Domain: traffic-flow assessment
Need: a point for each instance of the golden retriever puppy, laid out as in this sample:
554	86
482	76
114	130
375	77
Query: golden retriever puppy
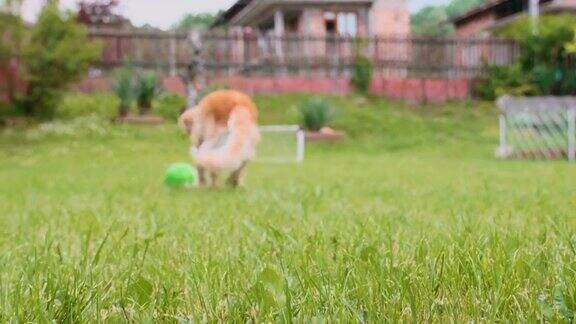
223	129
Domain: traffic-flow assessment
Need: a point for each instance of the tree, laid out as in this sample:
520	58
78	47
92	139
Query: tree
433	20
201	20
57	53
458	7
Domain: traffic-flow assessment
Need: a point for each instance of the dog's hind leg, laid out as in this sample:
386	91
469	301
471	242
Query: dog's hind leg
236	178
214	177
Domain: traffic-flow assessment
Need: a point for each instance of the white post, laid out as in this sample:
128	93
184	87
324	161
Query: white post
173	71
301	145
279	32
572	135
279	23
503	141
534	10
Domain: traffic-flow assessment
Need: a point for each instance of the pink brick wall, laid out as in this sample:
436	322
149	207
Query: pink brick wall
390	17
106	84
475	25
411	89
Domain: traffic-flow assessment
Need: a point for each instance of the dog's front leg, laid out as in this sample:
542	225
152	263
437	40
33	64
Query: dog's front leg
202	177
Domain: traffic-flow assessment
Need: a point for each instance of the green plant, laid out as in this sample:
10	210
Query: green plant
548	45
170	106
200	20
545	65
124	90
57	53
146	90
315	114
497	81
362	74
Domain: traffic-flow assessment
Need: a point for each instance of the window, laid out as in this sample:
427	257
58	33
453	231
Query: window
341	23
347	24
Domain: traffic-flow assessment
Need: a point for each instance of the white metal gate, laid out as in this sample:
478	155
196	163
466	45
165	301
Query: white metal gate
537	128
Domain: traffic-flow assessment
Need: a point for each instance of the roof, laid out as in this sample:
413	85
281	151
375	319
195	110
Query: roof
231	12
545	6
255	7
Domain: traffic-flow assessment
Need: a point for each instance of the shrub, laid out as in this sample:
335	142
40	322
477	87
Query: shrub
315	114
498	81
170	106
146	91
545	66
57	53
362	74
124	90
548	45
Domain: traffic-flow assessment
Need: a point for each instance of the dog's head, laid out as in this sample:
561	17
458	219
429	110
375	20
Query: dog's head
186	121
189	122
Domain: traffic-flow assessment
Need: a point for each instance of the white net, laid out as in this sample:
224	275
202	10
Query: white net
281	144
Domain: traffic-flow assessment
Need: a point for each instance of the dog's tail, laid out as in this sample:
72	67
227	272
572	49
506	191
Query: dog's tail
238	146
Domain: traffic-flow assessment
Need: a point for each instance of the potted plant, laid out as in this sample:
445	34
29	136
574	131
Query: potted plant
145	92
315	115
124	90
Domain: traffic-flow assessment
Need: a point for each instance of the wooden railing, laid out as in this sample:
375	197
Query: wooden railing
258	54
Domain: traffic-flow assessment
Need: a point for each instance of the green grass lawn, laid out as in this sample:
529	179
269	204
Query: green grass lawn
410	219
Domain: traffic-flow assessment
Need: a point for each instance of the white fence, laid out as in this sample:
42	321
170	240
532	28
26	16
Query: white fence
537	128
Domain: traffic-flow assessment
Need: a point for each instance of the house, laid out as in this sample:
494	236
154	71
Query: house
320	18
102	16
480	21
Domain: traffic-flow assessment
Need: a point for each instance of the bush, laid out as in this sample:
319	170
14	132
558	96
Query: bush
170	106
498	81
146	91
315	114
548	45
545	66
124	90
57	53
362	74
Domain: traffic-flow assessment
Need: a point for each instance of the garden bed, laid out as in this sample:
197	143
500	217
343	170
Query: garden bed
325	135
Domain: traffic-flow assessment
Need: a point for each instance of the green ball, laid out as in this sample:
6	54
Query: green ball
181	175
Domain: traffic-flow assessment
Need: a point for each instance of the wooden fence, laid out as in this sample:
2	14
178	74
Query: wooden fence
265	55
153	50
335	56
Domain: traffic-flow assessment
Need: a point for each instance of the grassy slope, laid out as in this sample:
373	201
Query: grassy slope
411	219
